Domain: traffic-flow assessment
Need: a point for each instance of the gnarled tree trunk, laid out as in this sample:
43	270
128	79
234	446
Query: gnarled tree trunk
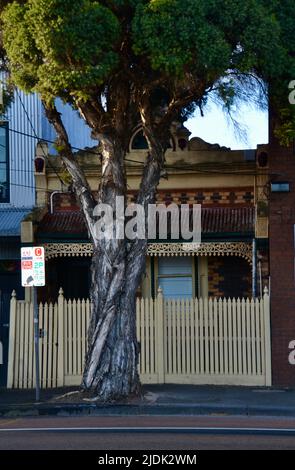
111	368
111	364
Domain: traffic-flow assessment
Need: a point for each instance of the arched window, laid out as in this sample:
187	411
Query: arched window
139	142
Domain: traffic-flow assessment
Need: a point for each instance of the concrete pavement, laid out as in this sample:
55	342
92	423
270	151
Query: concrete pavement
155	400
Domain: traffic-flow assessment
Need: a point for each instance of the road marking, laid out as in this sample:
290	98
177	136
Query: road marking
165	430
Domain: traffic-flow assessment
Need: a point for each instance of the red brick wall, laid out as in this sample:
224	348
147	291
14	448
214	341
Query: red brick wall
282	220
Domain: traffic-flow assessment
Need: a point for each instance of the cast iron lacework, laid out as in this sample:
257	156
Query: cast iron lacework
241	249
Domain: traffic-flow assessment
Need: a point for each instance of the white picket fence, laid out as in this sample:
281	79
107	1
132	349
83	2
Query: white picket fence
201	341
62	343
194	341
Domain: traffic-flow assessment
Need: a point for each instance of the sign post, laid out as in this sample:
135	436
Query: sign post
33	275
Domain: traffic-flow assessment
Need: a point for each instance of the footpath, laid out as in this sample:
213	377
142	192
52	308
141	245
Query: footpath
154	400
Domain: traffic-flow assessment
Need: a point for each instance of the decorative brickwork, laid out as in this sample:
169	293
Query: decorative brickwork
210	197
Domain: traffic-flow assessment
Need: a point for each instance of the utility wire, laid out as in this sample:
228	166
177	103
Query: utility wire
74	148
137	162
36	136
198	171
32	187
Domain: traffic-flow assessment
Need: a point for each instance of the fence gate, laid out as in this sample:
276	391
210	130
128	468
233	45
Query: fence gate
193	341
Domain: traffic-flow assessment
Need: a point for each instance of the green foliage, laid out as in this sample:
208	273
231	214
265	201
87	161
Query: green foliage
175	36
285	125
284	11
20	47
7	96
207	36
60	47
76	48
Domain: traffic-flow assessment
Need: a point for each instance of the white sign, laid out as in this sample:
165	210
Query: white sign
33	266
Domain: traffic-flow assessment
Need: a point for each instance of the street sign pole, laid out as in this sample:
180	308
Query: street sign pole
33	275
36	341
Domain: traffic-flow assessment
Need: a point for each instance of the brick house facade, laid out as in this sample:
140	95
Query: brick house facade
281	250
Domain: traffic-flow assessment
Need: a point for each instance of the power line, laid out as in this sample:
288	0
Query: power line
17	170
35	136
89	151
32	187
172	167
34	131
41	139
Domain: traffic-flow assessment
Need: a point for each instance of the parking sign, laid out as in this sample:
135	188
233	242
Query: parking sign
33	266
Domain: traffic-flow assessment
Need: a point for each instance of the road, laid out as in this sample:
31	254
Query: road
147	433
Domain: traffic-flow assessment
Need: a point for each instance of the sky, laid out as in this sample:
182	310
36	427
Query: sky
214	127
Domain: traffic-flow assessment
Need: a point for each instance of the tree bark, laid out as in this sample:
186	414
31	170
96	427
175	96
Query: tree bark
111	368
111	364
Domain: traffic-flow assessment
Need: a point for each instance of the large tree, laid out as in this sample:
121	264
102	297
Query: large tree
119	63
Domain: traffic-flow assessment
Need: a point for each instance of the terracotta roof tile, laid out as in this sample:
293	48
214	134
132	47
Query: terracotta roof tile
228	220
214	220
63	222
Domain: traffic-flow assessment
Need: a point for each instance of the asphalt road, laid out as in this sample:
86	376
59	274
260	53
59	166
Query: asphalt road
147	433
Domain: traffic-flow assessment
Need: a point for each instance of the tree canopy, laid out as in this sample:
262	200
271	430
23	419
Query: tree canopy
78	49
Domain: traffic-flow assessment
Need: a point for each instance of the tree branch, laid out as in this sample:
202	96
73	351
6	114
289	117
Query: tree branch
80	184
184	95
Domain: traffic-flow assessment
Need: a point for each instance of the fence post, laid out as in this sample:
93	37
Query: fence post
160	336
61	339
12	339
266	309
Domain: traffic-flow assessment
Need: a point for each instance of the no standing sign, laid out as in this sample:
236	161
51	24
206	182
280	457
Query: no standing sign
33	266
